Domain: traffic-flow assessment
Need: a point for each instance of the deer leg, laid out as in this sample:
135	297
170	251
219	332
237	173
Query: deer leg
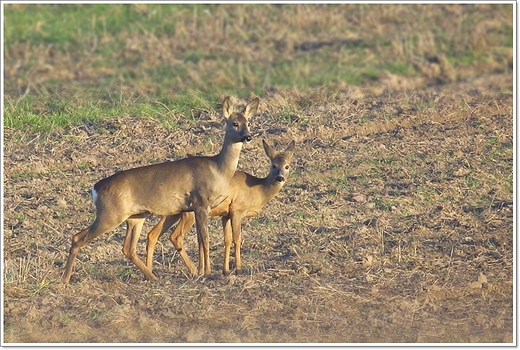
177	238
130	246
153	236
201	222
226	225
77	243
102	224
236	223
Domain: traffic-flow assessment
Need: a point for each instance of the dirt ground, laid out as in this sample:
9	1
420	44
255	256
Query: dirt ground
395	226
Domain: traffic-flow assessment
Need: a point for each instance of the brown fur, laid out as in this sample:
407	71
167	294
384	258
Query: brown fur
192	184
247	195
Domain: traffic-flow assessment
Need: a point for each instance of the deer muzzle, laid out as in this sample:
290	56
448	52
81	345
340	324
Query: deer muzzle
247	138
280	178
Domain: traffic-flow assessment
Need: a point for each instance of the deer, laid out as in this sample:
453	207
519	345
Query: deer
196	184
246	197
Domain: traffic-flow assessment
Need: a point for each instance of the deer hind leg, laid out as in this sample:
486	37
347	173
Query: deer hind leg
102	224
153	236
201	222
226	225
130	246
177	238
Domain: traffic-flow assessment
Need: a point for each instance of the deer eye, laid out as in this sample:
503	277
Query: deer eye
286	167
235	124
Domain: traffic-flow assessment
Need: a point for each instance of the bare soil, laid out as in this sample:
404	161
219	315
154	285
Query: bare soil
396	225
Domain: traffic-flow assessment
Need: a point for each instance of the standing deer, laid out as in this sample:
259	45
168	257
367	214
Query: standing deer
195	184
246	197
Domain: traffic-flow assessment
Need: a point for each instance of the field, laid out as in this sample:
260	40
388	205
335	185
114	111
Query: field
395	225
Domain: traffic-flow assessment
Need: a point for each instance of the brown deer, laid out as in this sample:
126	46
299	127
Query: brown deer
246	197
195	184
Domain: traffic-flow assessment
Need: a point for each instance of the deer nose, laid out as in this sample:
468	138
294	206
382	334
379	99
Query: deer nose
280	178
247	139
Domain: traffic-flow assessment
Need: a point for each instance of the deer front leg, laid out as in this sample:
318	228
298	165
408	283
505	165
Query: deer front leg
236	223
201	222
226	225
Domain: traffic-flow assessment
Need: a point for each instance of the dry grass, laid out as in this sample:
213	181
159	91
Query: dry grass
396	224
253	46
426	256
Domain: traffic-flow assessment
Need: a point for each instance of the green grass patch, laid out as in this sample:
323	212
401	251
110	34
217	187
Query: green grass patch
66	64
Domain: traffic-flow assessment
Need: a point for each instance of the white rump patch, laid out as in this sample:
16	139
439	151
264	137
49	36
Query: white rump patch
94	194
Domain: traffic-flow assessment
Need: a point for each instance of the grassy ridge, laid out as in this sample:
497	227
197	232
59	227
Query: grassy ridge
68	63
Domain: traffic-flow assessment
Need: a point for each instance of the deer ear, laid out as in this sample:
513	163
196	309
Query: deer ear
226	107
289	150
251	108
268	150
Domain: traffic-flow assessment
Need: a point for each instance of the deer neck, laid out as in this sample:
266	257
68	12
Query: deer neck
270	187
227	159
